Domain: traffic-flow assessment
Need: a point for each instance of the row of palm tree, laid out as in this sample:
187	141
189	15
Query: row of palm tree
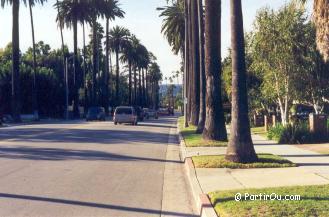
200	46
119	40
201	52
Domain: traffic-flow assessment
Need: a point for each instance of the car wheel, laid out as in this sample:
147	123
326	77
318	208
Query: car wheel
115	123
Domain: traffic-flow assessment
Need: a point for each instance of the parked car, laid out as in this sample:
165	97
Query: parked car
163	111
140	113
150	113
95	114
125	114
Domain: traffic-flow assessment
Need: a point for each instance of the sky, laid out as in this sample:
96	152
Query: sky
141	18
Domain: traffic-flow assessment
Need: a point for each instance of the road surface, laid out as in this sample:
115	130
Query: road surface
92	169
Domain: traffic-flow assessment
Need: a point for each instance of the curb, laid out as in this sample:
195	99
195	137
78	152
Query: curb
202	201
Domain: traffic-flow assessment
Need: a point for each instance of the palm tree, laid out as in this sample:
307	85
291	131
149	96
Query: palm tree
70	13
214	124
62	38
155	78
321	20
34	89
117	41
85	17
186	63
143	61
202	115
128	55
195	56
173	26
111	11
15	101
240	147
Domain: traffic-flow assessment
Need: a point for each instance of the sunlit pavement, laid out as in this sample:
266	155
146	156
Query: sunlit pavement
88	169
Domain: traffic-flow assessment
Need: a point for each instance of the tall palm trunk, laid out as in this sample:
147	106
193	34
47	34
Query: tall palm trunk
195	94
95	50
147	99
130	83
84	69
75	70
240	147
117	78
186	65
135	86
139	88
190	61
34	84
202	114
107	69
215	124
16	104
63	47
143	88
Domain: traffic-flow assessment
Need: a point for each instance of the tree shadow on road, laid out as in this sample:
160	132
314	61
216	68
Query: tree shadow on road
95	205
55	154
95	136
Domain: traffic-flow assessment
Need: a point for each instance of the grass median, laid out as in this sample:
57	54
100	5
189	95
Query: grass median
219	161
314	201
193	139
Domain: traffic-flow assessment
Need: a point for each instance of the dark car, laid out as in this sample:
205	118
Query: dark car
96	114
140	113
150	113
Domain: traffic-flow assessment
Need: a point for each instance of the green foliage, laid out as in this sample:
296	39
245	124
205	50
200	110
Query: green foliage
297	133
173	26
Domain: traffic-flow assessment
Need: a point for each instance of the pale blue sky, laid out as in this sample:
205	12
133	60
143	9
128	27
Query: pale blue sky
141	18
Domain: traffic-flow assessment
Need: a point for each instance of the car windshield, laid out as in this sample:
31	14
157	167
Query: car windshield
126	111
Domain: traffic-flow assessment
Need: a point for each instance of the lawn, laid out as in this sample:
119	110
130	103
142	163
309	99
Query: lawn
195	140
259	131
218	161
314	202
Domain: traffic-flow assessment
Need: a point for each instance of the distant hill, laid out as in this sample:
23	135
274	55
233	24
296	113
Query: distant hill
163	89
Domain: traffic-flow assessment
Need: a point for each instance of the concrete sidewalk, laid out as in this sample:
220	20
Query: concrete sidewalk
313	168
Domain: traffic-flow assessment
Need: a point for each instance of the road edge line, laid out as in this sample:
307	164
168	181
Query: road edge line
202	202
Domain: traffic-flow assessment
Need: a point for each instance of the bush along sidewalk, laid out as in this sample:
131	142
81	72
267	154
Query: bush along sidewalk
298	133
193	139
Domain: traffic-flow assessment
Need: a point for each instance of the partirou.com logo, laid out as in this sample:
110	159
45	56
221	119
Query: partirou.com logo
263	196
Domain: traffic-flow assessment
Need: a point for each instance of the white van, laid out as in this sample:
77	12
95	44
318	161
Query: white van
125	114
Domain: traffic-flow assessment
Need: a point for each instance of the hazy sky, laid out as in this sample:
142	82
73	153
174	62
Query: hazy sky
141	18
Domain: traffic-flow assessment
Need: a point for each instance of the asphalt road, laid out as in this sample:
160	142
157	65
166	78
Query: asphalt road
90	169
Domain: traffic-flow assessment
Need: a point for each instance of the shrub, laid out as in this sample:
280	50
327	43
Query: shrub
291	133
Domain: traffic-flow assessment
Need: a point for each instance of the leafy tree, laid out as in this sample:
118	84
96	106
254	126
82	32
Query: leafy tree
278	43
